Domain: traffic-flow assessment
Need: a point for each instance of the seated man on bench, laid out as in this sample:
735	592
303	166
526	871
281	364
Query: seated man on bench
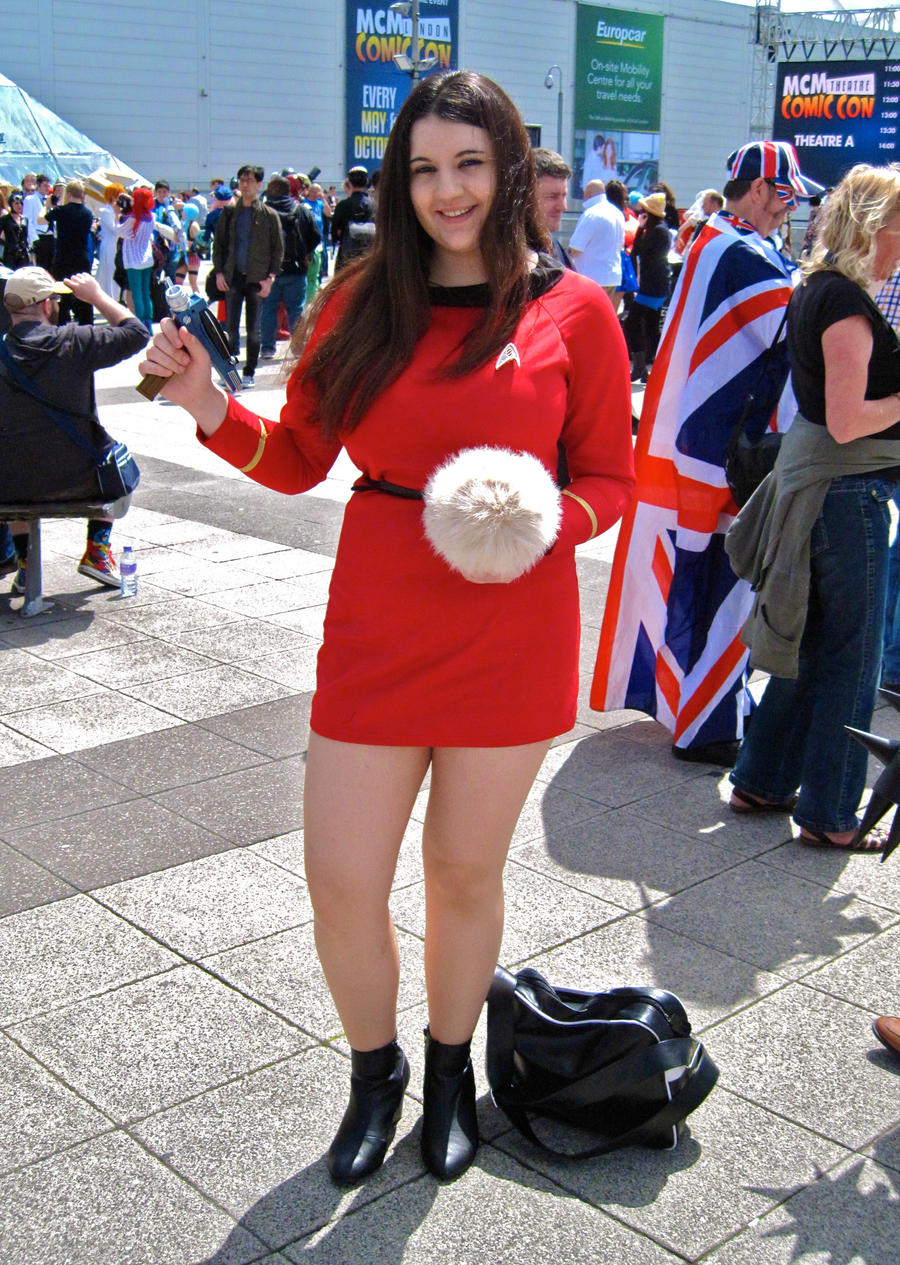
38	462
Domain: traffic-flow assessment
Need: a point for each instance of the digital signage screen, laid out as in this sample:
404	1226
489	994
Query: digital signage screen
838	113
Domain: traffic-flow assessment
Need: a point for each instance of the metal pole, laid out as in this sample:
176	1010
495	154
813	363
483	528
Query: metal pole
414	47
559	114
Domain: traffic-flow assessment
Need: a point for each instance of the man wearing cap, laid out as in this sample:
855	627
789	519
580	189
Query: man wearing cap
353	221
670	643
598	238
37	461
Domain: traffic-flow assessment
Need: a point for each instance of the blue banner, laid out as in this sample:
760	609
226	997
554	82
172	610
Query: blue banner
375	87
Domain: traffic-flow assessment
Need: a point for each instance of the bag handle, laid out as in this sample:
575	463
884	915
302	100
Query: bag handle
751	398
25	384
695	1089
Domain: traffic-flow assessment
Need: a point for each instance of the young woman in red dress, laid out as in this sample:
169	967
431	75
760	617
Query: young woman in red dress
455	333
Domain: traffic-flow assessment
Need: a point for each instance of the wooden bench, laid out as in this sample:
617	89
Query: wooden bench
32	514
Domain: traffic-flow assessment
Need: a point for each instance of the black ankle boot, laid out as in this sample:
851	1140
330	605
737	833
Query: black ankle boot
449	1121
378	1079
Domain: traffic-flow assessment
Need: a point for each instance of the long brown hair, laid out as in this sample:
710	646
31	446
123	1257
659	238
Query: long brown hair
386	310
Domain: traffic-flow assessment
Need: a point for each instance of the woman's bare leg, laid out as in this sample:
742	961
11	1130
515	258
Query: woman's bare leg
475	800
357	802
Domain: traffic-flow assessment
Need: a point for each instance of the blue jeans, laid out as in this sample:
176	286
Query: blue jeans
289	289
891	664
797	738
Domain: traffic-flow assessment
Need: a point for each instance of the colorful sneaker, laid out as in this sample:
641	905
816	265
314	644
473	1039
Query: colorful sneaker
18	584
99	564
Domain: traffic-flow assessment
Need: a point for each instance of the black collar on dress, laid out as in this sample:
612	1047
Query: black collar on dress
546	274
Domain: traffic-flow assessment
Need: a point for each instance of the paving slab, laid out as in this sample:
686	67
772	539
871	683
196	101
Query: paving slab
274	597
38	1115
805	1055
27	793
622	858
213	903
501	1211
703	1191
106	845
257	1147
208	692
240	642
276	729
609	769
166	759
67	951
777	920
866	975
859	875
15	748
247	805
144	659
157	1042
851	1215
25	884
87	721
108	1202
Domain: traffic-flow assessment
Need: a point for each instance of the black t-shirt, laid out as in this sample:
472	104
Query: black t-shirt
820	302
73	225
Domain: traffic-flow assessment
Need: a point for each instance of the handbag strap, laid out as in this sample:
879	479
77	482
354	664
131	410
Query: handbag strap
56	415
695	1088
751	398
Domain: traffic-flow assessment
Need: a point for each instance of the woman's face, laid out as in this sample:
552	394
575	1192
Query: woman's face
452	182
887	250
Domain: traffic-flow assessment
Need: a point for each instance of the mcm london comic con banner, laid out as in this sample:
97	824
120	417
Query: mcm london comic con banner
375	87
618	96
836	114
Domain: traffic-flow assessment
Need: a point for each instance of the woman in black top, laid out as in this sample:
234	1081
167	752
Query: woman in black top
846	376
14	233
650	255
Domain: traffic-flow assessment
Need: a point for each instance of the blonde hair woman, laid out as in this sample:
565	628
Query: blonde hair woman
839	464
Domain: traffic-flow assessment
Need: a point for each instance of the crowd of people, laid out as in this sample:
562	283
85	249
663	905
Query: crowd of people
459	334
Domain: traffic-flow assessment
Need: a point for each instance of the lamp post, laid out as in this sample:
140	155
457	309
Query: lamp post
548	83
412	65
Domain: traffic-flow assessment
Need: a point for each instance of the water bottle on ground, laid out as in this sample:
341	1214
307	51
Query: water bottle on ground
128	572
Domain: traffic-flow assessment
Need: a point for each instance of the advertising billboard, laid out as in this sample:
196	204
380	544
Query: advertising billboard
375	87
618	96
837	113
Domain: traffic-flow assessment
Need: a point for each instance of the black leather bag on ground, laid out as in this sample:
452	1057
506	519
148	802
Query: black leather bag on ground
620	1064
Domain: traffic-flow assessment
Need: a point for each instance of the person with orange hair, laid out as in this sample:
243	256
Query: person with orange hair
136	231
107	255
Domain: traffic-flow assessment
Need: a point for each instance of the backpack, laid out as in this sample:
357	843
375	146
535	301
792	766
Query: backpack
359	235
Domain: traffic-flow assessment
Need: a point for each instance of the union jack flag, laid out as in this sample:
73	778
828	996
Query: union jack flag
670	642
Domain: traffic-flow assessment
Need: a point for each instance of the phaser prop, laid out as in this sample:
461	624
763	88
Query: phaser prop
192	311
886	791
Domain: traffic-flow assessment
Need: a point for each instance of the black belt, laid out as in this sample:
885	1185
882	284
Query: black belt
367	484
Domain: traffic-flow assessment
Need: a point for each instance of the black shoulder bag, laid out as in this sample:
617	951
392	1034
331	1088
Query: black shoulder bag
747	463
117	470
620	1064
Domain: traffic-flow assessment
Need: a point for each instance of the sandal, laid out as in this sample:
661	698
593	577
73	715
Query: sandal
744	802
874	842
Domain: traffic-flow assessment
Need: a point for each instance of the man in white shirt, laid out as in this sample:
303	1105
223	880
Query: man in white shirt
40	236
597	241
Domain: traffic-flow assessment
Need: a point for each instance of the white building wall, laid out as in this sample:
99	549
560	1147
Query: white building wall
187	89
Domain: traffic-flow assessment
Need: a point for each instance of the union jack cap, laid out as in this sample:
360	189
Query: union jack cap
776	161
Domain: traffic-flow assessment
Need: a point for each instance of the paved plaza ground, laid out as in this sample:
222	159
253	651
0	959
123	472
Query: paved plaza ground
171	1066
